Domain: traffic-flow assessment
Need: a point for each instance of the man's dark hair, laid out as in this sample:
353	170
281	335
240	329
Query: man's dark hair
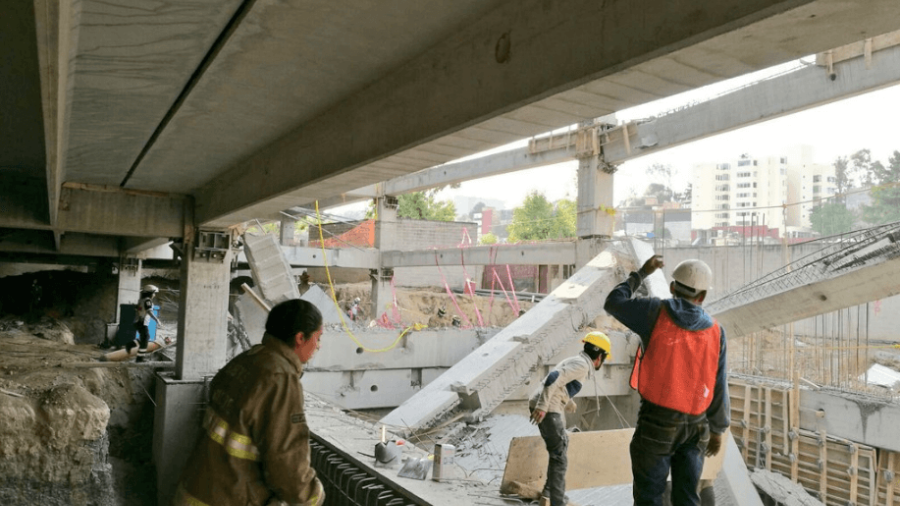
292	316
594	351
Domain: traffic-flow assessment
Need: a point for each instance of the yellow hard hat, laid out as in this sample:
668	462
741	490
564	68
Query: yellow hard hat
599	340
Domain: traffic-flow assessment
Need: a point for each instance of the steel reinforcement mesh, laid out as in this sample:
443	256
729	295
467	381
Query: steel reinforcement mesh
347	484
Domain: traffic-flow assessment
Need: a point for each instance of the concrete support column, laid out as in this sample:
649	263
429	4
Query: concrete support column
203	310
596	211
129	284
286	237
385	226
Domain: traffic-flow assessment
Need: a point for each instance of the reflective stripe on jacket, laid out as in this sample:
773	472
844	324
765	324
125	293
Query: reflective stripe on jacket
678	370
254	448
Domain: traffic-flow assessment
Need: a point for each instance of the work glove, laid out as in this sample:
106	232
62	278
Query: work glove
650	266
715	443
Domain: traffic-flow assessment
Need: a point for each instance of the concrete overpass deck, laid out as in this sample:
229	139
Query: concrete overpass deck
218	112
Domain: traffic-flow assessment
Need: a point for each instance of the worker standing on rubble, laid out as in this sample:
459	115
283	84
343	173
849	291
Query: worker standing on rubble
681	376
143	311
554	399
255	450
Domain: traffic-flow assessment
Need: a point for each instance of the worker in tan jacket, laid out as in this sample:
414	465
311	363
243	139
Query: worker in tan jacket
254	449
550	403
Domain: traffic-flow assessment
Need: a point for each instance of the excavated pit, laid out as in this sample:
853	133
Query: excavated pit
71	435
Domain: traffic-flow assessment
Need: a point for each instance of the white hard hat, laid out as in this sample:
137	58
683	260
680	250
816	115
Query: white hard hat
694	275
150	289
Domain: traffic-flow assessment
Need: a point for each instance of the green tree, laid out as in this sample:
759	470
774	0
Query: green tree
831	218
425	206
422	205
564	222
885	207
842	175
861	162
488	238
533	220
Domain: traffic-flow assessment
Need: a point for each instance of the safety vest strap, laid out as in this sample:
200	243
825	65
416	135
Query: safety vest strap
636	368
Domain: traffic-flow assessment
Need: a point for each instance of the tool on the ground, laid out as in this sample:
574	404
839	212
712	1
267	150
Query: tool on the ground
414	467
443	458
387	453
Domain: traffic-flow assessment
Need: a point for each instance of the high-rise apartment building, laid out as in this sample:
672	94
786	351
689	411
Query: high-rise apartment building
749	191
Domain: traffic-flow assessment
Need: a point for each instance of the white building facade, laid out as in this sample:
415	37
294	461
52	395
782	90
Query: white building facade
776	191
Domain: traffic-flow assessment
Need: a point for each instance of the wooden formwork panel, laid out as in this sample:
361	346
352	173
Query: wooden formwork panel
839	472
888	478
760	423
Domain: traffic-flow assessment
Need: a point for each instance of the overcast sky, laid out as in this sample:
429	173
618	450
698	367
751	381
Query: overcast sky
838	129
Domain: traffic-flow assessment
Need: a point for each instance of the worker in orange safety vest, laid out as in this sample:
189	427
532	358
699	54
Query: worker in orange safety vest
680	373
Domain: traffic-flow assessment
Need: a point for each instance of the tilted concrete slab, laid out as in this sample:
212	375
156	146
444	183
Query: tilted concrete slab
481	381
864	269
271	273
323	303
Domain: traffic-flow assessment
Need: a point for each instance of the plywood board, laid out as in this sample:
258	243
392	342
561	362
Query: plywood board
596	459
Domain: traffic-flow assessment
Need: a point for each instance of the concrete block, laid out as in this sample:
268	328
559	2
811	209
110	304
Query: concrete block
270	269
176	427
324	303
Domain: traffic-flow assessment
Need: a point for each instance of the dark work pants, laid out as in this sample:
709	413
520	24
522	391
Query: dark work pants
667	439
553	430
144	334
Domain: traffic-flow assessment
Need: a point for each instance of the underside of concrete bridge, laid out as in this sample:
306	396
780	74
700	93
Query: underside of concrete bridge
137	132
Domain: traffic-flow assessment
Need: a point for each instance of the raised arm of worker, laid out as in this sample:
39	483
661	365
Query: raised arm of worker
284	444
637	313
719	411
558	381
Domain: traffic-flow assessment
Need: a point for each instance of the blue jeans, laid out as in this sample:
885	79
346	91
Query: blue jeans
667	439
553	430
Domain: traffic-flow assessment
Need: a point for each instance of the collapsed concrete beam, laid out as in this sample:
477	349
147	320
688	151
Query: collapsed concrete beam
554	253
271	272
854	287
480	382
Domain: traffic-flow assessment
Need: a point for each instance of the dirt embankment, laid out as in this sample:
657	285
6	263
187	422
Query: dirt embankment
421	305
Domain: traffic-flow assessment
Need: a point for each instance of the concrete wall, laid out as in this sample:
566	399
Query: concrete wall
734	266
